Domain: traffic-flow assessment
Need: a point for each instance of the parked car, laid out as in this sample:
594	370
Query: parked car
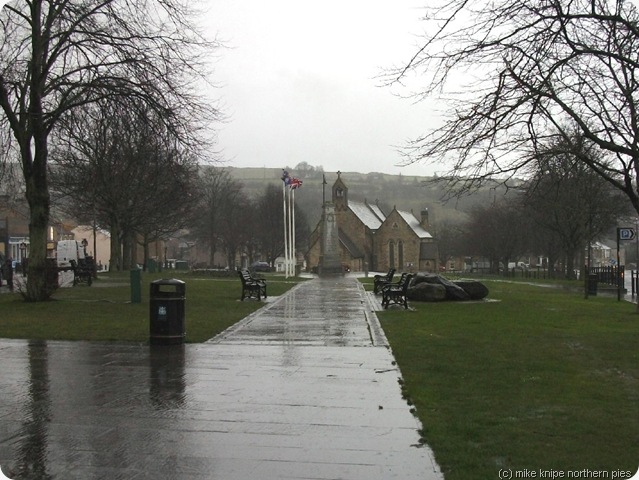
260	267
520	265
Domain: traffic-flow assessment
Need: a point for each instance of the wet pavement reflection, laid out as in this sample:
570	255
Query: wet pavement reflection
304	388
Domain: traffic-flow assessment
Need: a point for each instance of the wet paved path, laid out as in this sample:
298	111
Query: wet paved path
303	389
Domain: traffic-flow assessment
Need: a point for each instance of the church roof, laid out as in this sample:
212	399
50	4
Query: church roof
370	216
350	245
414	224
377	211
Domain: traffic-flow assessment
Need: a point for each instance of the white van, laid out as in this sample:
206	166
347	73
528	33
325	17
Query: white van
521	265
68	250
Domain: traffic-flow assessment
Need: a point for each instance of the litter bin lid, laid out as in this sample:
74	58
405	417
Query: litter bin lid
168	288
168	281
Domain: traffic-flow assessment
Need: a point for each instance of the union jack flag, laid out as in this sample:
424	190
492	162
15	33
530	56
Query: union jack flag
291	182
294	183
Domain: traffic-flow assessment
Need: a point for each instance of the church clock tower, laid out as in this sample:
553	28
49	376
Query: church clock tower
340	194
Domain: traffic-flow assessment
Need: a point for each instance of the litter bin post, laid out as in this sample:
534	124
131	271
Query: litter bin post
136	286
166	312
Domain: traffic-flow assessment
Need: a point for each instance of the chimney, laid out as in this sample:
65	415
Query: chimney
424	222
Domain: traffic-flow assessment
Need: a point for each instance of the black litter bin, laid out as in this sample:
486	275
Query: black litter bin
167	299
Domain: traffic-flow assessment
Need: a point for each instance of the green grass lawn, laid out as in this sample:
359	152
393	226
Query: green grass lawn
542	379
103	312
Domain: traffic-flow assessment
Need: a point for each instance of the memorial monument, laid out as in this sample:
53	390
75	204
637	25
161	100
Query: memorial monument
330	262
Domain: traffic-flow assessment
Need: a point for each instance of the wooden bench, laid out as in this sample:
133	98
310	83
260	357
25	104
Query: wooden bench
82	271
252	287
380	280
396	292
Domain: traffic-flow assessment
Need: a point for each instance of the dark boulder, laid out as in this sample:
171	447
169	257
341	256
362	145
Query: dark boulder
427	287
426	292
453	291
475	290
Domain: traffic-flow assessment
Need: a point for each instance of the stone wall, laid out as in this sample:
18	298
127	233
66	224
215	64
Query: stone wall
396	230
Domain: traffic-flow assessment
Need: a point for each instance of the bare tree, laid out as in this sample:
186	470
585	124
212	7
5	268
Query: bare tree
216	188
57	55
497	231
451	241
570	202
236	222
120	168
536	69
271	222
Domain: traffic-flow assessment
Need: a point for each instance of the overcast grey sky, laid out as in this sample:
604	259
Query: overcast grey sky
298	82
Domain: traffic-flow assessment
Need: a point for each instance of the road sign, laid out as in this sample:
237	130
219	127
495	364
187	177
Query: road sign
626	233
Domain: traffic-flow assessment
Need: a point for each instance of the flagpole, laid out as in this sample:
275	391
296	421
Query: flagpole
290	257
285	230
293	255
290	228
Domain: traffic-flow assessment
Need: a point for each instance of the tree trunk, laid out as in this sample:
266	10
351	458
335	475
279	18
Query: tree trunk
34	168
494	266
212	251
145	260
38	198
552	260
133	250
126	251
116	248
230	259
570	265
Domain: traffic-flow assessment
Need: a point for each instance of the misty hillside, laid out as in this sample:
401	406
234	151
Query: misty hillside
405	192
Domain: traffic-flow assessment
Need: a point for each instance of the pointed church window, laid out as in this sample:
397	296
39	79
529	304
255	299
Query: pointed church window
391	254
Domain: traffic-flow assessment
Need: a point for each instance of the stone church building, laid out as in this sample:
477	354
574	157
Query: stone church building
370	240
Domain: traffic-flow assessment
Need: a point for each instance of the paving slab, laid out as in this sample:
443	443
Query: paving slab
333	311
305	388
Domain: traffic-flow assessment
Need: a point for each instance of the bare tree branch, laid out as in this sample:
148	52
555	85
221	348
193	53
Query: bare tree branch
57	56
537	70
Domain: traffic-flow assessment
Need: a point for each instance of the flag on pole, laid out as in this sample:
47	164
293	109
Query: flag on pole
294	183
288	197
291	182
